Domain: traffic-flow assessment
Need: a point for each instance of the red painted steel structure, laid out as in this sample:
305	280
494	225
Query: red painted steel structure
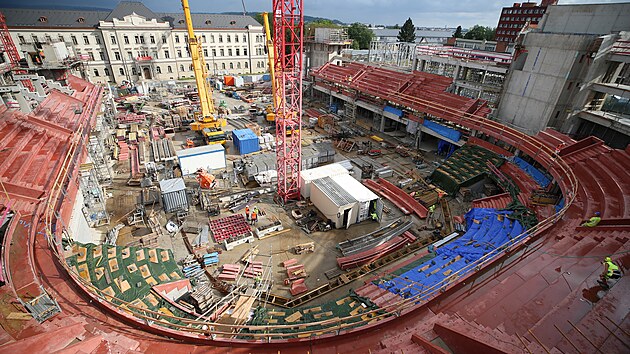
288	20
11	50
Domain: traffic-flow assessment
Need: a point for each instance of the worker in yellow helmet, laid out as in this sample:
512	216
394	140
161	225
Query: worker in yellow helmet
594	220
611	271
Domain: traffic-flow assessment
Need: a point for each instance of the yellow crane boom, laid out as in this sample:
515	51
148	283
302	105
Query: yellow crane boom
204	119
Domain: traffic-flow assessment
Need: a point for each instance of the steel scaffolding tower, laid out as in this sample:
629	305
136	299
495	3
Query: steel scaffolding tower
100	160
288	42
12	52
93	198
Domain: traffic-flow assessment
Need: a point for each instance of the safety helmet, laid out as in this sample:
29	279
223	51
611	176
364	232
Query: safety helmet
608	259
597	213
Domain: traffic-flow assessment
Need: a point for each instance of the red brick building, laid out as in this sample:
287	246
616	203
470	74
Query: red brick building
514	18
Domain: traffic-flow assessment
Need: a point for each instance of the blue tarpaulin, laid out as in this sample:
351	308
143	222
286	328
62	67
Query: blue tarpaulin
487	230
538	176
393	110
449	133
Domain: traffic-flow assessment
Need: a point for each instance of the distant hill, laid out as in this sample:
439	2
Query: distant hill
307	19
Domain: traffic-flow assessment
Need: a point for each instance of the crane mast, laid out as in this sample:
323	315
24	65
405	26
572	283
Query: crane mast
288	17
206	118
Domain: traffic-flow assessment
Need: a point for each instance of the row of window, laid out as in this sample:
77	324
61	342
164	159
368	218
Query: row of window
167	54
522	19
61	38
182	68
509	33
523	11
139	39
505	39
511	25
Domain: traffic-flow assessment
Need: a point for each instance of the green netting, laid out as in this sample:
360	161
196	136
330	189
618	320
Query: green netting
466	166
128	273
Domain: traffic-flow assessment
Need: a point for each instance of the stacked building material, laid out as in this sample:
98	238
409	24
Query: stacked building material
402	200
202	297
210	258
229	272
253	270
372	254
375	238
229	227
129	118
298	287
296	272
123	153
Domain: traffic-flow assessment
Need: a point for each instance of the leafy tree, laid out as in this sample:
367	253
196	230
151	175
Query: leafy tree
320	23
407	32
361	35
480	33
458	32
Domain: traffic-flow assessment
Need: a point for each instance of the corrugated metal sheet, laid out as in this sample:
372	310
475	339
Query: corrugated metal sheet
245	141
307	176
333	191
174	195
172	185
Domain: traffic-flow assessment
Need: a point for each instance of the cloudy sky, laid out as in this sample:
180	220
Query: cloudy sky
433	13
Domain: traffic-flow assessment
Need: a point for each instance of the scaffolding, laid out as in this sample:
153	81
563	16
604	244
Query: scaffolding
398	54
93	196
100	160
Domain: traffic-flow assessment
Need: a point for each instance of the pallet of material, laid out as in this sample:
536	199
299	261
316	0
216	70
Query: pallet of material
227	276
231	267
289	262
296	272
298	287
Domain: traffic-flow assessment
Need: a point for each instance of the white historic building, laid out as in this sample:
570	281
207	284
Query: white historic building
133	43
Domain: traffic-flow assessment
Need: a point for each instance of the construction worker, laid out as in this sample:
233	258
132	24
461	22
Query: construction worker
254	218
431	211
256	210
611	271
374	216
593	221
247	212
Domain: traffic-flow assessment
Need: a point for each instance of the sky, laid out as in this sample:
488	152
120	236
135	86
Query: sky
424	13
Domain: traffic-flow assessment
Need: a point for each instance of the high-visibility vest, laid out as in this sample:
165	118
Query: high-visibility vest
254	216
612	267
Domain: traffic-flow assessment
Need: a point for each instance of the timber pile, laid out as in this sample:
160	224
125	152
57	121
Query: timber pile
203	298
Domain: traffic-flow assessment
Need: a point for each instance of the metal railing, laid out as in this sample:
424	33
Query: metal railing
204	330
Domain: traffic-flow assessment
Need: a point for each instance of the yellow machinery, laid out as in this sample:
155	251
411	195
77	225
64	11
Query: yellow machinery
205	121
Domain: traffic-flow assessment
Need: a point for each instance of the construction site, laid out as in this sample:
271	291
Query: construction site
351	208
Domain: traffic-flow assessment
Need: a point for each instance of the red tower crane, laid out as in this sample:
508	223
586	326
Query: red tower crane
288	20
12	52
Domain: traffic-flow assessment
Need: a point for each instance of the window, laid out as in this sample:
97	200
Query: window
190	68
181	68
228	38
126	38
130	55
169	69
244	38
106	70
221	52
43	19
81	20
113	38
223	66
208	22
158	69
155	55
238	65
101	55
214	52
86	40
74	40
205	52
21	39
207	66
212	38
117	55
229	52
134	71
187	52
176	39
163	39
238	52
96	72
61	39
185	38
121	71
236	38
98	39
142	39
152	38
166	54
203	38
231	65
179	53
220	39
137	39
246	66
245	51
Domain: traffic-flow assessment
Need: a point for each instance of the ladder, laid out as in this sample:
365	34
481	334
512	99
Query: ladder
448	220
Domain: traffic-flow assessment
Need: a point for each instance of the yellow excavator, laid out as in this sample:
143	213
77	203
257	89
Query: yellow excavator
205	121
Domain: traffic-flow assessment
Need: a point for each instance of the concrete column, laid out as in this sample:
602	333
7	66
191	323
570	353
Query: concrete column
382	126
39	88
330	100
25	107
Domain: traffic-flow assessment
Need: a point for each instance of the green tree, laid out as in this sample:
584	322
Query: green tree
407	32
361	35
480	33
320	23
458	32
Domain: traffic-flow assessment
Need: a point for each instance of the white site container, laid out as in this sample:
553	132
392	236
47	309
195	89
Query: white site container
307	176
207	157
361	193
336	204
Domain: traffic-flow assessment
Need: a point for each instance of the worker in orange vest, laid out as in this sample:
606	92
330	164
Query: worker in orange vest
254	218
247	213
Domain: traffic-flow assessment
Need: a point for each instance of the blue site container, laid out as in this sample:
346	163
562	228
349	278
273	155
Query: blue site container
245	141
266	77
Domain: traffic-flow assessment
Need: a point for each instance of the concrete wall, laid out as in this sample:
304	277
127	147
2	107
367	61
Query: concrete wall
539	92
587	19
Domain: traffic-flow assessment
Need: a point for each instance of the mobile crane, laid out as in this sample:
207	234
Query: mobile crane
205	121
